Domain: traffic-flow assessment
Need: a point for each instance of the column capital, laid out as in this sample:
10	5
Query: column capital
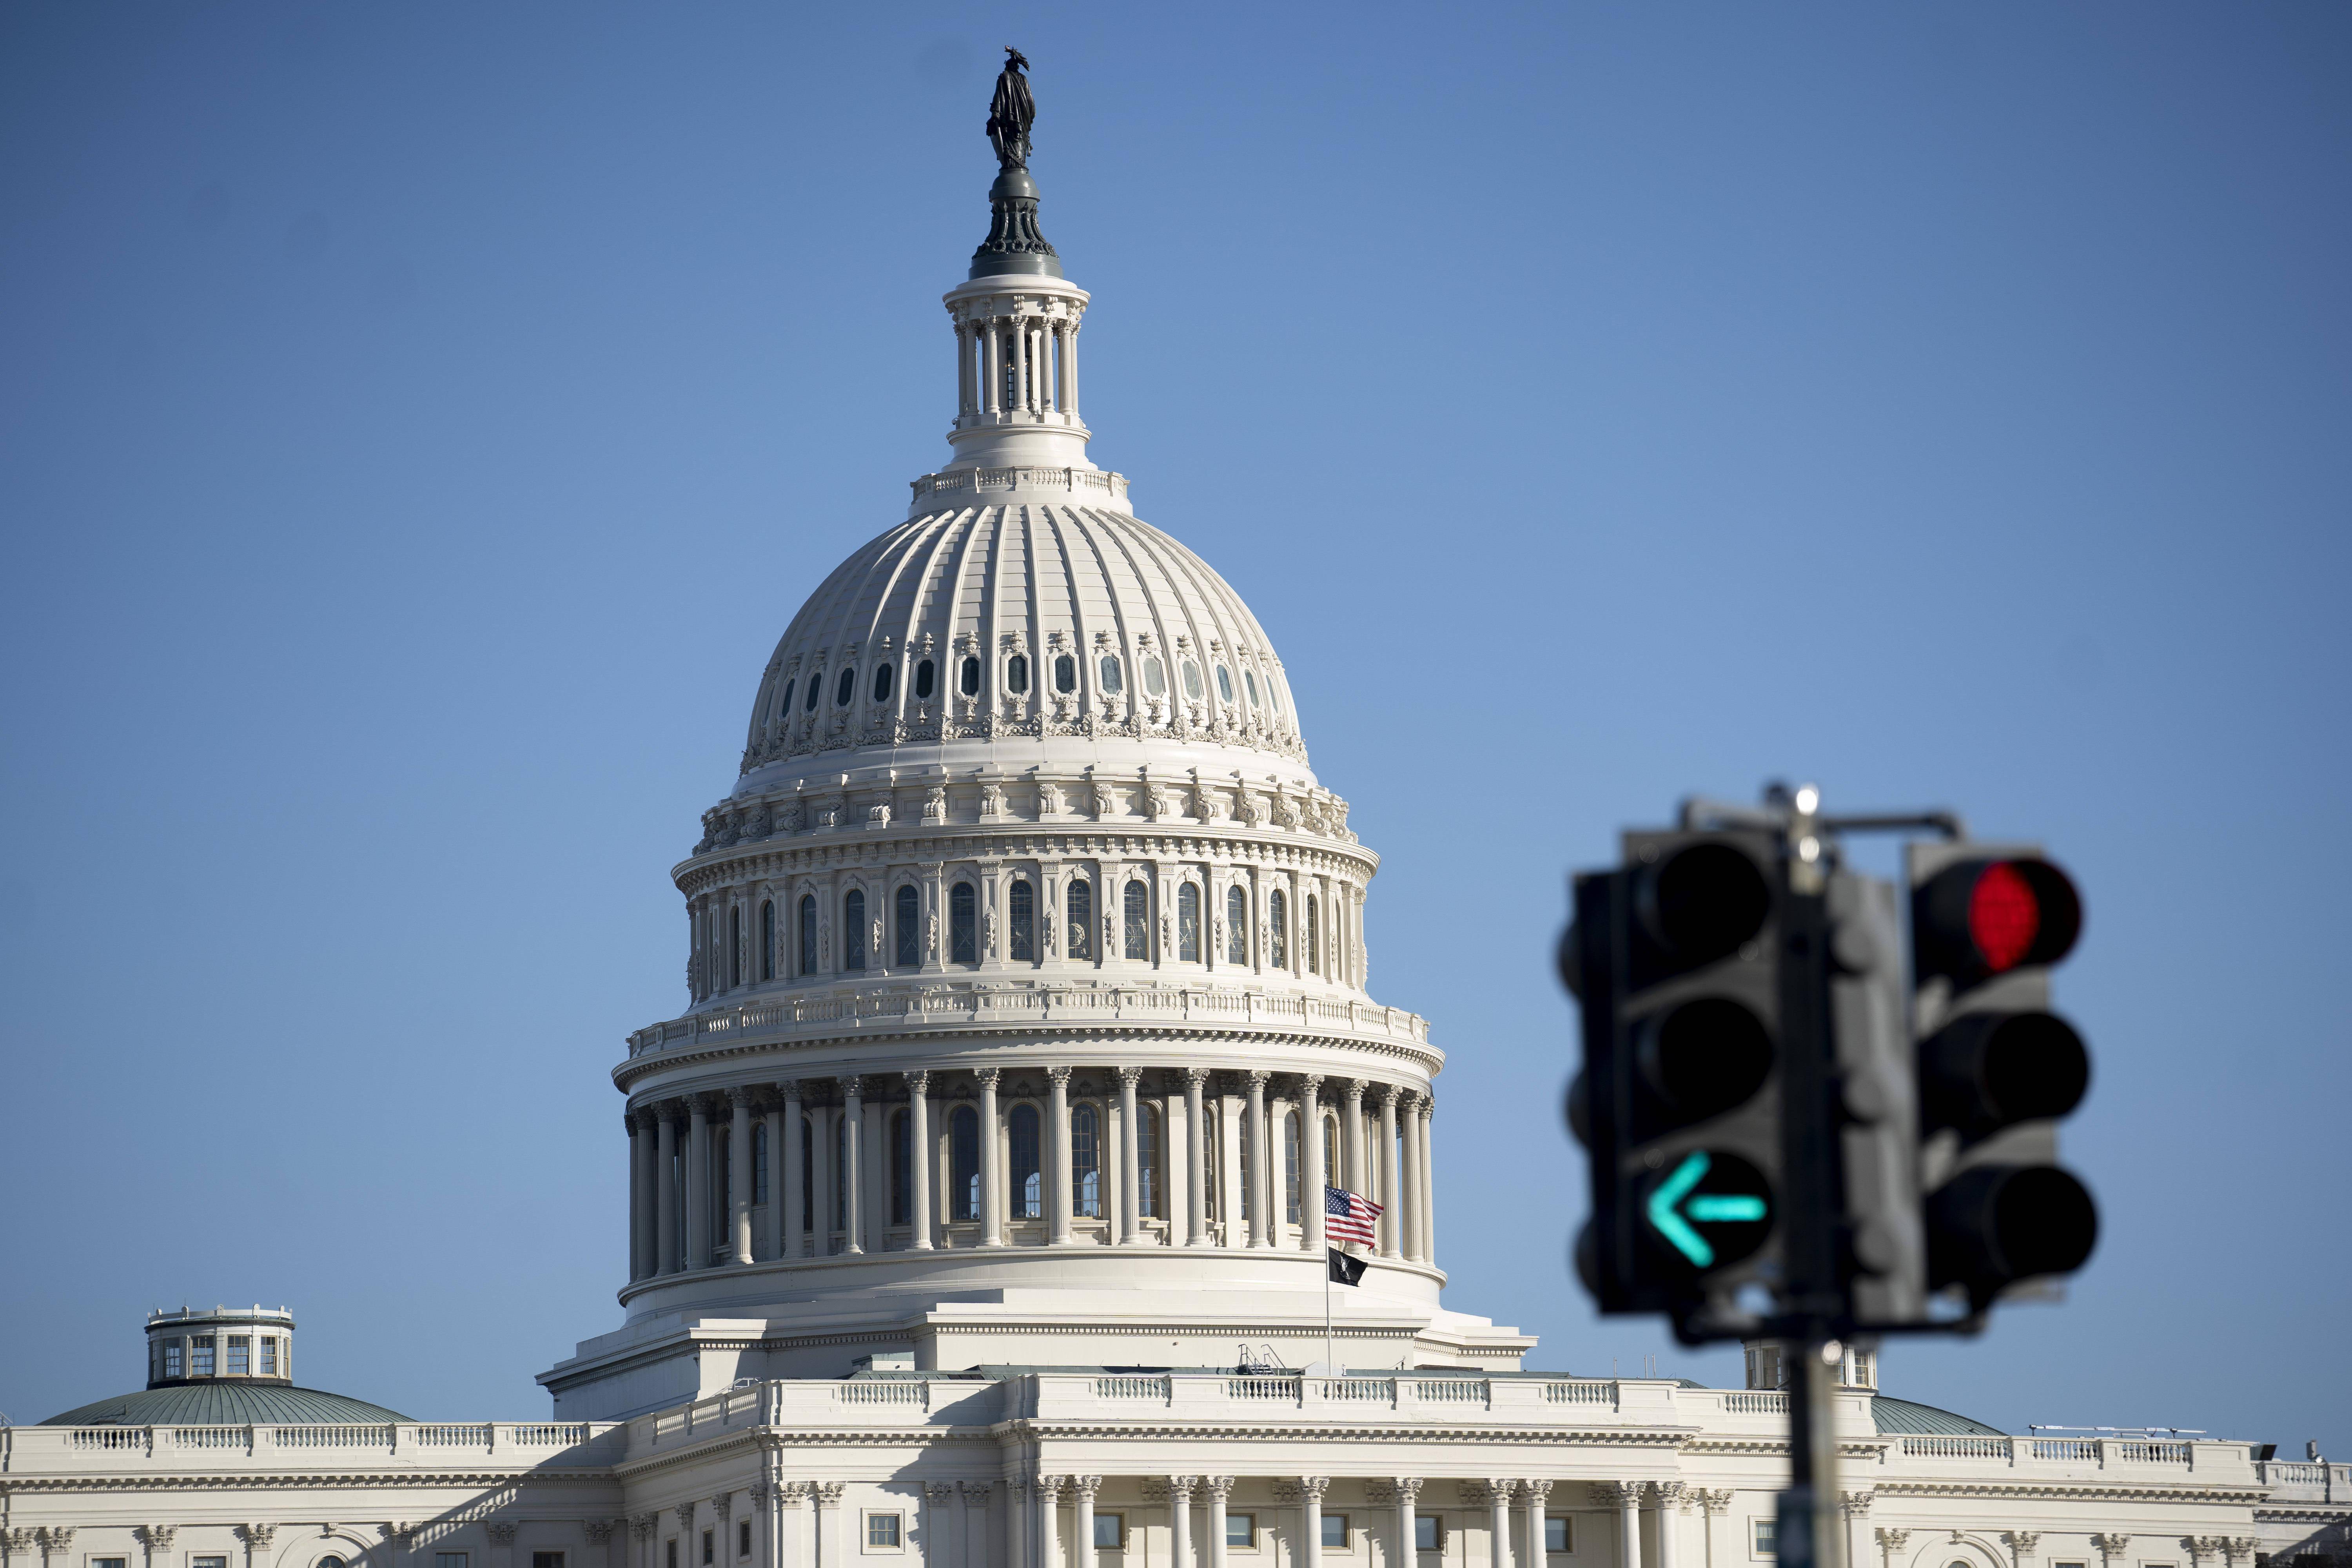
918	1082
853	1087
790	1089
792	1494
1017	1490
703	1106
1625	1494
1129	1077
1486	1494
1892	1540
1196	1077
154	1537
1425	1104
1219	1486
643	1525
1050	1486
1058	1077
988	1077
939	1492
827	1494
1408	1488
1181	1489
1086	1486
1855	1504
1537	1490
743	1096
1313	1486
1715	1500
256	1536
685	1511
722	1505
1256	1078
2112	1545
976	1493
1390	1095
501	1531
2021	1542
1356	1088
1309	1083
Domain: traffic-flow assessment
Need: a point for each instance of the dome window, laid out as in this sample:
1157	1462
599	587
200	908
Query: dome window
970	682
1065	674
808	933
1081	932
815	686
1277	922
1272	693
853	931
882	674
1236	926
963	924
910	926
1225	683
1155	682
845	688
784	704
1193	680
1016	674
1188	919
1110	681
926	680
1021	903
1137	914
1249	679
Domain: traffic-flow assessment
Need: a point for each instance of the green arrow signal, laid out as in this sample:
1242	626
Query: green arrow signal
1667	1209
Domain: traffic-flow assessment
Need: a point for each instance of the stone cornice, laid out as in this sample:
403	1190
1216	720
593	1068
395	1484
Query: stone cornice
1895	1487
149	1480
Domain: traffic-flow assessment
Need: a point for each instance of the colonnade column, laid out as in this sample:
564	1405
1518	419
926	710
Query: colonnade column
975	1523
1310	1511
1532	1495
1427	1209
1408	1493
739	1176
1409	1189
918	1137
665	1192
697	1183
1017	1523
1391	1197
795	1197
1196	1158
773	1241
1670	1498
1218	1487
1082	1550
1498	1523
991	1228
1130	1159
1179	1520
991	367
963	369
641	1207
1017	331
1310	1155
1044	1549
1261	1231
1351	1138
1070	369
1058	1139
1627	1495
853	1210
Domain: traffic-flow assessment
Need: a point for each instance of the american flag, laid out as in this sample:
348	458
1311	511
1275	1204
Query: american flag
1348	1217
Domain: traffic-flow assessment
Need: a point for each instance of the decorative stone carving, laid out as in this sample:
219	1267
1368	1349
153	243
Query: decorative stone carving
500	1531
722	1505
1854	1505
254	1536
154	1537
939	1493
599	1531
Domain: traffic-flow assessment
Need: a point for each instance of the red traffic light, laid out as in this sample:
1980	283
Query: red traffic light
1977	919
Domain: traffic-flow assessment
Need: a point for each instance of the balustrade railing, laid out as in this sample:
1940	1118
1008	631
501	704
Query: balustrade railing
368	1437
1738	1403
1580	1394
1450	1390
1262	1388
2072	1450
1129	1386
1942	1447
897	1391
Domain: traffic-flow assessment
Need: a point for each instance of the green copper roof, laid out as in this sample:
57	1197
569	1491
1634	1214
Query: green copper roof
225	1404
1902	1416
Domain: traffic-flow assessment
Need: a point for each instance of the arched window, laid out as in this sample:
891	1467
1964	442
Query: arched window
1080	920
1110	680
902	1168
808	704
1193	680
735	945
845	689
1330	1151
767	939
969	678
1086	1161
808	933
963	1163
926	679
1065	674
1277	921
1290	1167
1022	906
1016	674
1314	936
1155	683
759	1161
1272	693
1028	1187
1224	684
1147	1162
853	931
1249	679
1188	923
1236	926
963	924
784	703
882	673
909	934
1139	921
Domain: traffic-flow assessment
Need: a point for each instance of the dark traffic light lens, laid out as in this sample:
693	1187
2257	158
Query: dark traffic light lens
1982	918
1985	1071
1706	1055
1702	902
1993	1225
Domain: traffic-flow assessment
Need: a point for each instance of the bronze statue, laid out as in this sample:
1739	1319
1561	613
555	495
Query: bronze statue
1012	111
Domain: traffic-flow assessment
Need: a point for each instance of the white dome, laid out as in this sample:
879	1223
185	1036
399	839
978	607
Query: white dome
1010	635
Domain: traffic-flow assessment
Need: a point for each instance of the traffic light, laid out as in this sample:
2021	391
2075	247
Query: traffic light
1673	957
1996	1067
1874	1111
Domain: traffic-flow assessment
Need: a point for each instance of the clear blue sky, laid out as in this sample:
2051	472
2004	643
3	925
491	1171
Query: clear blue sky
417	423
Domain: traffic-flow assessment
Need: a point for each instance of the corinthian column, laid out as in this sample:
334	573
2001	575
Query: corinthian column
697	1183
664	1191
1409	1189
1310	1510
852	1166
918	1137
1310	1155
1219	1486
1391	1188
1261	1230
641	1197
1628	1498
1428	1206
1531	1497
1351	1138
991	1180
1131	1160
1057	1133
1670	1502
738	1178
795	1195
1179	1520
1196	1158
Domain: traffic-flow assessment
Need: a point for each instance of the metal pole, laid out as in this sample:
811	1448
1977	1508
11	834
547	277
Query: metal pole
1808	1536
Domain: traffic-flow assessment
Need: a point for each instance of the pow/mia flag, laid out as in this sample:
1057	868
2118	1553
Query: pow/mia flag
1345	1270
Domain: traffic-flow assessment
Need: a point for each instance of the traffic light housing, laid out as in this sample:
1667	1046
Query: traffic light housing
1874	1110
1674	958
1996	1069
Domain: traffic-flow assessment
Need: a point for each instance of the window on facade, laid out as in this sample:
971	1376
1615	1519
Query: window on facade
1111	1533
239	1361
853	931
767	939
1290	1167
964	1163
202	1560
710	1551
816	686
171	1358
1016	674
1111	684
119	1561
784	704
882	675
200	1356
1028	1188
902	1169
670	1557
547	1559
1212	1182
1065	674
759	1161
1314	936
1278	921
927	678
269	1355
1193	680
1330	1151
1086	1161
1147	1162
1079	921
1138	919
742	1538
844	691
1225	683
908	914
1272	693
1428	1532
1188	923
1241	1530
735	946
882	1529
1021	904
1764	1533
1335	1532
1558	1535
1862	1368
1236	926
1155	683
808	933
969	678
1249	679
458	1559
963	924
